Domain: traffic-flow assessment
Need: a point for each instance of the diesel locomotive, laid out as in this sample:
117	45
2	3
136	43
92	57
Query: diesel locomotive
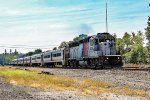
96	51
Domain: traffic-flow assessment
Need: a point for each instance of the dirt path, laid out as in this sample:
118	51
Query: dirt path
11	92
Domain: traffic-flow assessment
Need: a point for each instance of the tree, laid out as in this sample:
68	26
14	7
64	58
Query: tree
29	53
63	44
80	37
10	51
127	41
123	44
37	51
76	38
115	36
5	51
16	53
147	33
137	51
120	45
55	48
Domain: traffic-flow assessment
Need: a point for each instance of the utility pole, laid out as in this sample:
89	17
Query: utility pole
106	19
4	54
10	51
3	59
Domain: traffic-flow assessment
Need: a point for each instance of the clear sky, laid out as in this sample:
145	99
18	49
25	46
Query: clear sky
30	24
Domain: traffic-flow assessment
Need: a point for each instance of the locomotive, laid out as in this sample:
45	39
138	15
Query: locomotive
96	51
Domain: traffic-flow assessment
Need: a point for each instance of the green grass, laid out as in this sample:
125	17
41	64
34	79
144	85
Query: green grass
62	83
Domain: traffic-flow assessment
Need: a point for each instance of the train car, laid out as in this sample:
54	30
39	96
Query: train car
36	60
20	62
14	62
97	51
27	61
58	57
54	58
47	58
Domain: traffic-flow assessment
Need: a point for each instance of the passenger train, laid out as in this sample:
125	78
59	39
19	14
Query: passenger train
97	51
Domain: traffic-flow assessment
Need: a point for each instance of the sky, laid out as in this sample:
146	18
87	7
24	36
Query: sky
29	24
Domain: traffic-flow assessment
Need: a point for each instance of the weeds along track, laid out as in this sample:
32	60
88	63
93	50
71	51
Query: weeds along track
134	78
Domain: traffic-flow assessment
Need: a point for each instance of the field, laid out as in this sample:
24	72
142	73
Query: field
79	82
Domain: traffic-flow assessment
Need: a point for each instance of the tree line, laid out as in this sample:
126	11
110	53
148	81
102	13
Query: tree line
135	47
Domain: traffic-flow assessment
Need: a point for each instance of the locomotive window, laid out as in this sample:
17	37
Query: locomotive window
96	41
101	40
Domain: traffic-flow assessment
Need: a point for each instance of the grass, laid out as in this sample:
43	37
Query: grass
61	83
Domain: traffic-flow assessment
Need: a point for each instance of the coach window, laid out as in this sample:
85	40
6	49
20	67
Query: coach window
58	54
54	55
47	56
38	57
33	58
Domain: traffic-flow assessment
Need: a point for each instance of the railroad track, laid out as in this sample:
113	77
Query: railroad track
119	68
137	68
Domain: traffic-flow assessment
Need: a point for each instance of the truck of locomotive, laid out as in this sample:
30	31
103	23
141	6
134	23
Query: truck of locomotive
97	51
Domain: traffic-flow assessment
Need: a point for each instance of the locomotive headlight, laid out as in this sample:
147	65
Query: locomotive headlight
118	58
107	57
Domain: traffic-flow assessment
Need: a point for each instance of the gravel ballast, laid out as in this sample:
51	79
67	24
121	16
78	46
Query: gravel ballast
137	79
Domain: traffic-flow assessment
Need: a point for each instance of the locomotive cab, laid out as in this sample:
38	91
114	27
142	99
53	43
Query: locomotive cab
107	50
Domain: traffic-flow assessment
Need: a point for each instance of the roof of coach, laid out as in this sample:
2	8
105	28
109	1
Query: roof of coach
20	59
35	55
27	57
50	51
15	60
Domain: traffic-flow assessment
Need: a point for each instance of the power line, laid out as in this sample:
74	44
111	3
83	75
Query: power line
27	45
